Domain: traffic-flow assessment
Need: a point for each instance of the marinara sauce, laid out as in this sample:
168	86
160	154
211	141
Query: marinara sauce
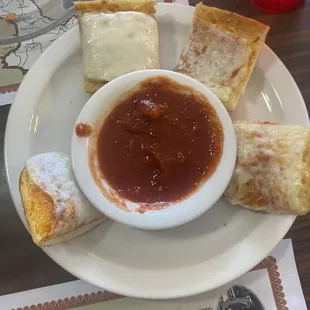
160	142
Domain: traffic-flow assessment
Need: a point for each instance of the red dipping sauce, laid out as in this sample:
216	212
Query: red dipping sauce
159	143
83	130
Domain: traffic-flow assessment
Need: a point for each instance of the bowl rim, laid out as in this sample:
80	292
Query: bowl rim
175	214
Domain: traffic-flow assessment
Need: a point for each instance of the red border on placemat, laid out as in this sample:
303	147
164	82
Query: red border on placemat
73	302
9	88
269	263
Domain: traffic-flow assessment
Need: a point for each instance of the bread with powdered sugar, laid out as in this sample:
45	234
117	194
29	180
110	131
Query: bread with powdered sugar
55	208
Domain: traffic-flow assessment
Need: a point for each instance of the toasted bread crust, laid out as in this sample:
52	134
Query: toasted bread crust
253	32
91	86
38	207
113	6
238	25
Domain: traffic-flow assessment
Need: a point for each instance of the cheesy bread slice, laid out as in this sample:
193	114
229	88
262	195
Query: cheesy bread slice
272	171
221	52
117	37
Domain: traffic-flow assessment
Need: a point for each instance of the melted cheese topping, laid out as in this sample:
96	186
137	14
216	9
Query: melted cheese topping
270	167
216	58
52	173
118	43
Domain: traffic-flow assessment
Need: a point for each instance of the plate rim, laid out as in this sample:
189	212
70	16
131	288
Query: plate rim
49	252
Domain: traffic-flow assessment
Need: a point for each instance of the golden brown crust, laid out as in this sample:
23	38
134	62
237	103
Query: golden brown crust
304	193
252	31
112	6
92	86
240	26
38	207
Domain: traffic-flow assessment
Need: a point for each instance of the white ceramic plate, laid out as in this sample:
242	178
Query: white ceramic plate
214	249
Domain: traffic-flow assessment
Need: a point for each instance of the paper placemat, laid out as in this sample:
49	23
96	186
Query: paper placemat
272	285
16	59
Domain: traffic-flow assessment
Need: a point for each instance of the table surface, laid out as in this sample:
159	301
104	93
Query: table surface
24	266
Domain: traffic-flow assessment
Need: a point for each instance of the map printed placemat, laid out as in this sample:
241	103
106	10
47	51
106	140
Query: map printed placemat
16	59
272	285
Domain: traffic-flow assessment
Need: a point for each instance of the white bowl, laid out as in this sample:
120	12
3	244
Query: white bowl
99	105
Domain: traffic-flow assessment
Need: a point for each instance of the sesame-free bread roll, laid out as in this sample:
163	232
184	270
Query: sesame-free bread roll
117	37
221	52
55	208
272	172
